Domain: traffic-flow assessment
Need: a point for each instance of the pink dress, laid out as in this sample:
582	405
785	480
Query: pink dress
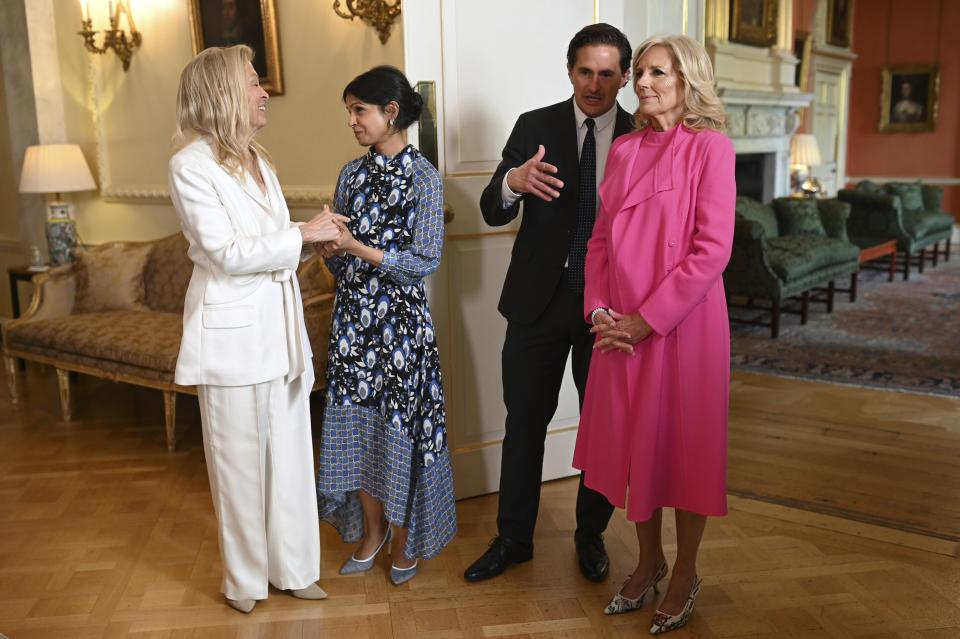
656	421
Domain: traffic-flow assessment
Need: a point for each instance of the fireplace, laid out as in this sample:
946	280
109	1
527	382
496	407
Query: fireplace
755	174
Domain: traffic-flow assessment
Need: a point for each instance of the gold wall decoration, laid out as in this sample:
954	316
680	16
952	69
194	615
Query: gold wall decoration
379	14
908	100
114	38
223	23
754	22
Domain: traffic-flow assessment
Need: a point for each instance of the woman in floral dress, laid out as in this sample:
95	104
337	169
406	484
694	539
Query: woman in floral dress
384	463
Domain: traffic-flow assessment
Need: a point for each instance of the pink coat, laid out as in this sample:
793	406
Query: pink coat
656	421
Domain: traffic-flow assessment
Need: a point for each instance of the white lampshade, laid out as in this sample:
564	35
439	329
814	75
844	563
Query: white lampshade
804	150
55	168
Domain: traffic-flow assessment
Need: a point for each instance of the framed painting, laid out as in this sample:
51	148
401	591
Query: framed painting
754	22
802	43
908	99
223	23
840	23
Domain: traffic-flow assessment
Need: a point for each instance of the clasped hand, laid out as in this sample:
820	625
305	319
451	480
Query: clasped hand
324	227
329	231
617	331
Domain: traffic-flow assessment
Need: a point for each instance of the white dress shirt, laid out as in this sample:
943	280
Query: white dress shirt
603	138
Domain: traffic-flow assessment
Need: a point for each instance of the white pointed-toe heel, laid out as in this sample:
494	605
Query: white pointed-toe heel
620	604
662	622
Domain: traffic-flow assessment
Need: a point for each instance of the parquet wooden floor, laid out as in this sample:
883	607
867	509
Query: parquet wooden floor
105	535
885	458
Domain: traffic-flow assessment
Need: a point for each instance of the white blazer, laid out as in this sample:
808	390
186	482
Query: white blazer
245	252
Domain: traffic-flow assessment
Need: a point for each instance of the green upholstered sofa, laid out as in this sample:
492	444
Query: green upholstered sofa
909	212
788	249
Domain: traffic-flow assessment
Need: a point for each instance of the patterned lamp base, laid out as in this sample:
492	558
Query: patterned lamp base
61	240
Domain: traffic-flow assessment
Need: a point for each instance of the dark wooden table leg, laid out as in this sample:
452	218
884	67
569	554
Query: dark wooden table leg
14	295
854	280
804	306
893	266
830	293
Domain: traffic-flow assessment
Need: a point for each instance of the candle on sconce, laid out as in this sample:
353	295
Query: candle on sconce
110	9
84	10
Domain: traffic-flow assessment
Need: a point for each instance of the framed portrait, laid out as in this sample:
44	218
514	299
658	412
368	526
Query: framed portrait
754	22
222	23
840	23
802	44
908	99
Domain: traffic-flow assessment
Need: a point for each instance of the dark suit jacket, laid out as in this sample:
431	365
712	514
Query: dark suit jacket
540	249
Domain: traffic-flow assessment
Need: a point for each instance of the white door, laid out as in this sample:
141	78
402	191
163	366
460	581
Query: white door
831	87
474	52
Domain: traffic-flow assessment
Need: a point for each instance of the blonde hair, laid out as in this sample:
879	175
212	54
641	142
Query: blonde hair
702	106
212	104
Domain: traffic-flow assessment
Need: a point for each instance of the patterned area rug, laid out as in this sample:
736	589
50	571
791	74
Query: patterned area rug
897	335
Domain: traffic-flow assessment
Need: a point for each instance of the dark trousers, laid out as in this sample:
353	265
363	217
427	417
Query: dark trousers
534	358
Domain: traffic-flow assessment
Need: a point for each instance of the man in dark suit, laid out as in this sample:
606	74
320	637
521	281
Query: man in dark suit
552	163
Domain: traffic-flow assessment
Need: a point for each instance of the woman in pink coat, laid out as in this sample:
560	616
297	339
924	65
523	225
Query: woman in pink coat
653	429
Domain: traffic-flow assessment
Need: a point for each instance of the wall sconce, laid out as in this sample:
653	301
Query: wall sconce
114	37
379	14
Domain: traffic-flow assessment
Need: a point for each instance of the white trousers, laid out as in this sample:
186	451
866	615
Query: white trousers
259	457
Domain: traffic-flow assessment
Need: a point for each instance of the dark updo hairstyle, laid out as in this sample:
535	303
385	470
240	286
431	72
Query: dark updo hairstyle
600	33
383	85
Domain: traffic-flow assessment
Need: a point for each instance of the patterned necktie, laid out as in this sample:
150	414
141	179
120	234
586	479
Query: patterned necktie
586	209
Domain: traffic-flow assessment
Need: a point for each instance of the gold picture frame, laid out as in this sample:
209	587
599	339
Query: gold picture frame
754	22
221	23
840	23
802	46
909	97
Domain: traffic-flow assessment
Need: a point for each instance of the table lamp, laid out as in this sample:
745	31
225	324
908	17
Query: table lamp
57	168
804	153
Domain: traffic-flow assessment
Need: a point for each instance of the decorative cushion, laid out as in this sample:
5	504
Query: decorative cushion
750	209
798	216
794	256
932	197
110	278
145	339
167	274
919	224
869	187
911	194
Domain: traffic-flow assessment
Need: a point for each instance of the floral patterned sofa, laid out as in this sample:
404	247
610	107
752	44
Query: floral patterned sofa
134	346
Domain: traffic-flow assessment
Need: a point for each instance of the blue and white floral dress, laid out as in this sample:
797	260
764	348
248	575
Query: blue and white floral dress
384	426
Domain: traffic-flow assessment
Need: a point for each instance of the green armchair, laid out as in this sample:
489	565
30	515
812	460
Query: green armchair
788	249
909	212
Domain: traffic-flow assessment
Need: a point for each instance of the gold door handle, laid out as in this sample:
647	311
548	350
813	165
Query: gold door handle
448	214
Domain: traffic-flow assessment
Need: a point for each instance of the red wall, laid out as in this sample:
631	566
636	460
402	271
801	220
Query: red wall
905	32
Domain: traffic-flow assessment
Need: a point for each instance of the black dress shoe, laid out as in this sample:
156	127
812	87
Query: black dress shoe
501	553
592	557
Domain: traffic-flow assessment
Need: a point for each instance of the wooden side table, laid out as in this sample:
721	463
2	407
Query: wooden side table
874	250
18	274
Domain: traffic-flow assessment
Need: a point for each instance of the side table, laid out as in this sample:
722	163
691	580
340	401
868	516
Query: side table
19	274
873	249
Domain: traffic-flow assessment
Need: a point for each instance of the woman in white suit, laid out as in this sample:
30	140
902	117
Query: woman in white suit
244	343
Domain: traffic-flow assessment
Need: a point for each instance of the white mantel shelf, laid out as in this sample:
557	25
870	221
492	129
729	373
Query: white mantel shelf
745	97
